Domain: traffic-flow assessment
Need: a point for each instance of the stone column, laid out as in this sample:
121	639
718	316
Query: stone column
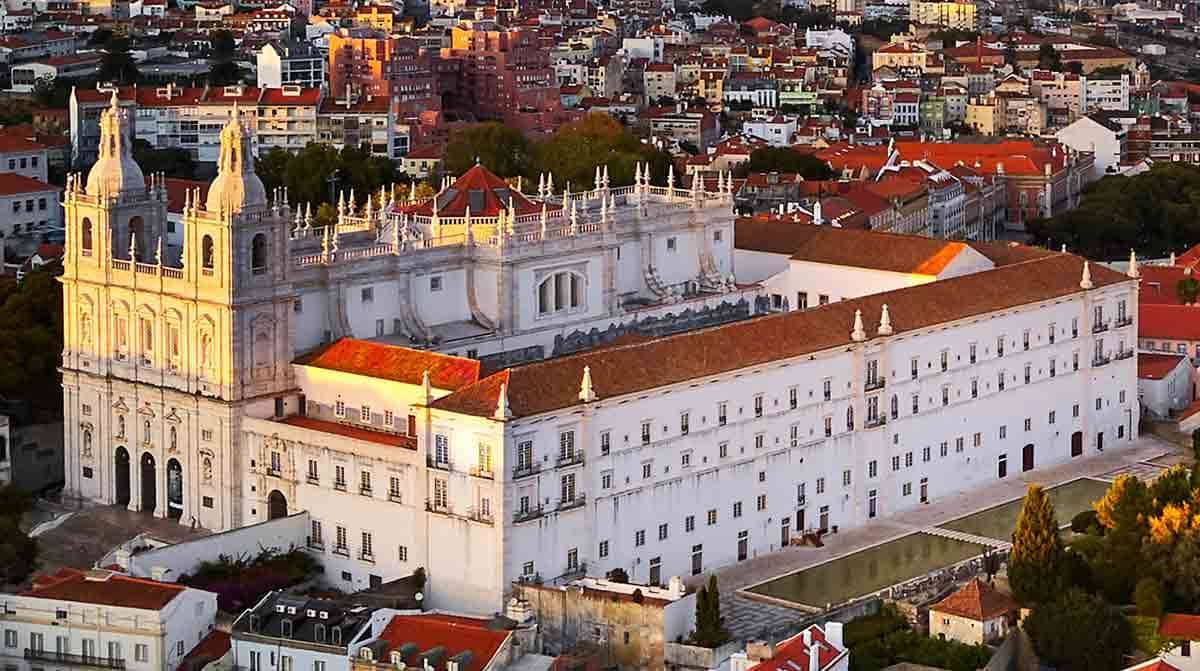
135	476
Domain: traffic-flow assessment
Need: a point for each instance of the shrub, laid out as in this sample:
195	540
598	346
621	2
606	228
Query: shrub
1148	595
1084	521
869	627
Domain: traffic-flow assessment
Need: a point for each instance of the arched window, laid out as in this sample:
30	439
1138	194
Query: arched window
559	292
146	431
120	426
87	442
174	438
206	252
258	254
86	237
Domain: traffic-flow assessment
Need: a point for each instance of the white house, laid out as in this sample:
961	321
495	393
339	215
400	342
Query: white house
1166	383
1099	134
813	649
975	614
103	620
296	633
1184	632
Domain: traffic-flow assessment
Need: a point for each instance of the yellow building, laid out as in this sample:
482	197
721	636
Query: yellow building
898	55
981	115
374	16
955	15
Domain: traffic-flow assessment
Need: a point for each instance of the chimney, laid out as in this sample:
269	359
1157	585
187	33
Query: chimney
833	634
760	651
814	657
807	636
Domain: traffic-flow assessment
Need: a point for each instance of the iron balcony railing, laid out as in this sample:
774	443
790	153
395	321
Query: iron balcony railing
69	659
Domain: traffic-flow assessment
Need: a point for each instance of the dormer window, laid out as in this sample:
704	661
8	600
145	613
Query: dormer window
365	653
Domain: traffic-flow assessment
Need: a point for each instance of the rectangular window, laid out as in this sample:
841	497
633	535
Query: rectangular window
722	418
368	294
605	443
737	509
689	523
645	433
639	538
712	517
364	414
662	532
793	398
683	424
945	449
914	367
846	478
820	485
647	470
758	406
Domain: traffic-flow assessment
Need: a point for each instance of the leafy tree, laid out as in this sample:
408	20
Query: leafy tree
1173	486
785	160
14	501
31	340
18	552
501	149
1196	445
575	150
710	625
1148	595
1079	632
1084	522
1186	289
1123	514
116	64
173	161
878	641
222	70
1049	58
1035	567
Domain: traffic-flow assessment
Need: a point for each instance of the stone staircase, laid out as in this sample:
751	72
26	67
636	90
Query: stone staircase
966	537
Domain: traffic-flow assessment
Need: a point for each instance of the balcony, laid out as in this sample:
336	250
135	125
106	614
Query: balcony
482	472
576	501
573	459
312	479
364	491
1100	327
366	556
1125	354
68	659
526	470
439	508
573	573
481	516
1127	320
527	514
431	462
800	499
341	550
315	544
875	422
274	472
340	486
1100	360
395	497
874	385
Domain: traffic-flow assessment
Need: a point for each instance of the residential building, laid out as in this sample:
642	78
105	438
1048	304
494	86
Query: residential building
948	14
103	619
1184	632
659	81
29	210
290	63
975	614
362	119
440	641
1100	135
287	632
813	649
1166	383
701	128
75	66
751	90
23	157
776	131
31	451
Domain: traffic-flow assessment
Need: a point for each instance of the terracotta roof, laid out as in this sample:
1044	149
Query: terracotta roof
1019	157
484	192
793	653
1177	322
115	590
891	252
1180	627
1153	665
1008	253
14	144
546	386
393	362
1157	366
12	184
425	152
455	634
213	647
1158	283
348	431
280	97
976	600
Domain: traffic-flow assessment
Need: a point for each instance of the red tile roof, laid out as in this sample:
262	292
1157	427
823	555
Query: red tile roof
213	647
1176	322
1019	157
454	634
550	385
392	362
1180	627
976	600
491	194
283	98
14	144
115	590
891	252
1157	366
1158	283
793	653
12	184
348	431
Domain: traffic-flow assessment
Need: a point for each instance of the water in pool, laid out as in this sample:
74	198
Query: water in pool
998	522
869	570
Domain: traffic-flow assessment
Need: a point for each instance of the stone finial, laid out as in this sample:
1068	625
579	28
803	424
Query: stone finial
859	334
885	322
426	388
605	177
1086	281
1064	248
133	246
549	184
412	192
503	412
596	179
158	251
574	216
1171	261
542	185
545	219
671	179
1133	266
637	173
587	393
341	203
520	183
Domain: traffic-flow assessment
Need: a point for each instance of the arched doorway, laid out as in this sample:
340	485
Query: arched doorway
149	480
1027	458
276	505
174	489
121	477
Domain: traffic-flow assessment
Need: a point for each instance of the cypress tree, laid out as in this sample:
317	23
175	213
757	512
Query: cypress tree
1035	567
710	626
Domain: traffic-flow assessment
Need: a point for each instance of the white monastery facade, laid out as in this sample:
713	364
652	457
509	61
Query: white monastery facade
498	387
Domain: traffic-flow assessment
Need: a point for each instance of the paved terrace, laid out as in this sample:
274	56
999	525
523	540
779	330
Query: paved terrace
1146	457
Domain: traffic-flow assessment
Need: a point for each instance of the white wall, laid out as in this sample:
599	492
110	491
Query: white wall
172	561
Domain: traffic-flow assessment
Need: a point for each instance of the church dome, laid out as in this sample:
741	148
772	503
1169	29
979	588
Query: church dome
115	170
236	187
